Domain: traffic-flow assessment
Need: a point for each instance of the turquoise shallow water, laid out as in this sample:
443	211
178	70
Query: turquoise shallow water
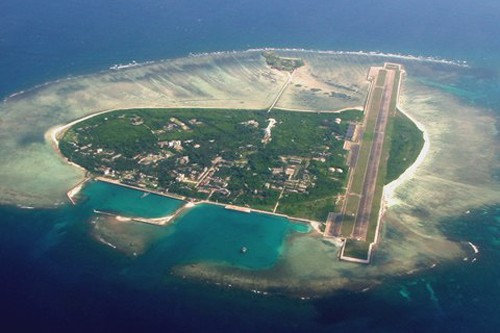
56	276
128	202
210	233
205	233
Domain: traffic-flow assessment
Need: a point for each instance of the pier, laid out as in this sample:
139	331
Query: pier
359	217
146	190
189	204
73	192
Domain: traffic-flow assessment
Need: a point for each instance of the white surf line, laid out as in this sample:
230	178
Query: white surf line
25	207
459	63
235	52
474	247
102	240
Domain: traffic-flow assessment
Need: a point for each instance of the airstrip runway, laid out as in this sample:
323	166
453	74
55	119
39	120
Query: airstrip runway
364	175
364	212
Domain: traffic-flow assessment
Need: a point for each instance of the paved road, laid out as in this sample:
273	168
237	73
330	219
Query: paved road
282	90
362	220
333	225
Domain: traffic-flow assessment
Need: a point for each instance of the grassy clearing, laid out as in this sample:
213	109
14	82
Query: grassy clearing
352	204
381	77
315	209
356	249
366	144
347	225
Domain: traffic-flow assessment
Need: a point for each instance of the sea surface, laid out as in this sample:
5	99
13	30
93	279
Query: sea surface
42	41
204	233
56	274
118	200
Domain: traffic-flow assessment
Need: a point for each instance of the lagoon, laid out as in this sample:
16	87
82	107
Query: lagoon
57	277
128	202
206	233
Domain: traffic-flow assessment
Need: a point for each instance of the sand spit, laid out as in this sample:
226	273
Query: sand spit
452	174
159	221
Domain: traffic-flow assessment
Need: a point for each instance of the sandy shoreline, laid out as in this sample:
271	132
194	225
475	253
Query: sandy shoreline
439	184
73	192
54	133
159	221
243	82
388	196
389	189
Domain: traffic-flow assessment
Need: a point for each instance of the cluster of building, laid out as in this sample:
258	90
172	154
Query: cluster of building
174	165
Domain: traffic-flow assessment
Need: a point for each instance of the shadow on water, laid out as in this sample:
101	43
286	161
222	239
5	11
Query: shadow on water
30	138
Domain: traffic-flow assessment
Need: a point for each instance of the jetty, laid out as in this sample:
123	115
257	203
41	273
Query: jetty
142	189
238	208
73	192
368	142
159	221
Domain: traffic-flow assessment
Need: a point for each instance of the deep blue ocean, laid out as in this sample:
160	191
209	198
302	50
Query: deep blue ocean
55	276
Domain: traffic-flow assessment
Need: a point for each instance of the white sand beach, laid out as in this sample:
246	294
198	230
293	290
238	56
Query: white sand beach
452	174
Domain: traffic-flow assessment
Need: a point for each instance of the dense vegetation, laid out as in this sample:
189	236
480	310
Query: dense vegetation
282	63
356	249
406	143
172	149
134	146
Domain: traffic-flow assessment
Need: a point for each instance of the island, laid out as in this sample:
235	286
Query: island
324	167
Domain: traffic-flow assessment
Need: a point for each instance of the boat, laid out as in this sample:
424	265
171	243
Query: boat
243	250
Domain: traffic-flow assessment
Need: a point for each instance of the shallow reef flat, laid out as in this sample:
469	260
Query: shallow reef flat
226	80
30	171
455	175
